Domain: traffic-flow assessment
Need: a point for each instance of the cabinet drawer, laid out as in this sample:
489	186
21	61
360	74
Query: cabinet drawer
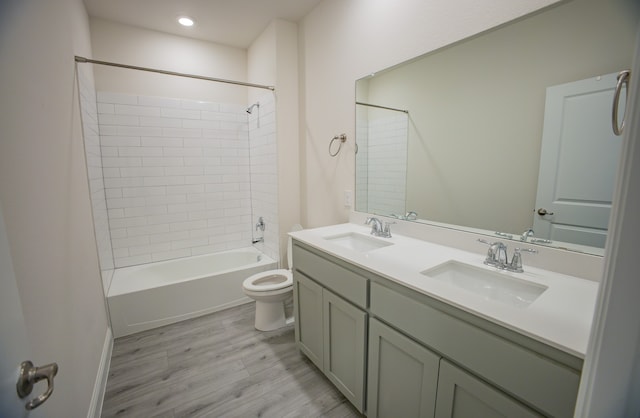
530	377
346	283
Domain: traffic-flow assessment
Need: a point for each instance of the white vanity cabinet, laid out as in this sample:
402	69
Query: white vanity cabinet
422	357
330	329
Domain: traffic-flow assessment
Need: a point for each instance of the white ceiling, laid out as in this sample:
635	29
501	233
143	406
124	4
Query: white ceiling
230	22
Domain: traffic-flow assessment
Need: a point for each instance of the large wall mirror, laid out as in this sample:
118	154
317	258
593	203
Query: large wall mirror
477	134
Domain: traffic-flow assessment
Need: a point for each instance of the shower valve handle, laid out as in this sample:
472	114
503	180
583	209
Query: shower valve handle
260	225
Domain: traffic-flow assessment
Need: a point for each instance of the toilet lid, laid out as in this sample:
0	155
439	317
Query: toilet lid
268	280
294	228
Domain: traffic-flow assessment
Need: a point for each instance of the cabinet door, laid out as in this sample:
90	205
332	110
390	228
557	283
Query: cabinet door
403	375
344	347
307	300
462	395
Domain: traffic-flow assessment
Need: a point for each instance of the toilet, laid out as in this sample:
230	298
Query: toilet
270	289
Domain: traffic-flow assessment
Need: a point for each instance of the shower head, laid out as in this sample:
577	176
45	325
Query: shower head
250	108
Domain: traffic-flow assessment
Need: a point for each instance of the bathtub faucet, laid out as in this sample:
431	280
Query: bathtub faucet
257	240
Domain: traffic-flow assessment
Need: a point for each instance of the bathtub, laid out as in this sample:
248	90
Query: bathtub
151	295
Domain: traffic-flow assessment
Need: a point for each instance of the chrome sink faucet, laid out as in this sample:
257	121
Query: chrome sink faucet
497	256
526	234
377	229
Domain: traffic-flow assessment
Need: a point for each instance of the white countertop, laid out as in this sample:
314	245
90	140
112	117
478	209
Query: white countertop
560	317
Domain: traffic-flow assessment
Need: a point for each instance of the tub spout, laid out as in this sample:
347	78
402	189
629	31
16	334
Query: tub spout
255	241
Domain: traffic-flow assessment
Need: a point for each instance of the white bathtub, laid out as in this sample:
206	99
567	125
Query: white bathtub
151	295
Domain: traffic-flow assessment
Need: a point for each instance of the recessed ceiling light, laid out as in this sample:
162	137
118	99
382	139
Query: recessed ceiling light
185	21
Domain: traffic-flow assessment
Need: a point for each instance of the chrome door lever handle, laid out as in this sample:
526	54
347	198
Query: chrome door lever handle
29	375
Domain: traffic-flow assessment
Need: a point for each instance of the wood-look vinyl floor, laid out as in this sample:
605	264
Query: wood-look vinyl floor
217	365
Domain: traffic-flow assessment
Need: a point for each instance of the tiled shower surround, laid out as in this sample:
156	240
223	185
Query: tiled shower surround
91	135
381	164
177	176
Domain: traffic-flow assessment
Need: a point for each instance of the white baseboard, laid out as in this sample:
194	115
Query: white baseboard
95	407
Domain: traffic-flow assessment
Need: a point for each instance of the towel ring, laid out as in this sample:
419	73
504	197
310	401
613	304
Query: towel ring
342	138
623	79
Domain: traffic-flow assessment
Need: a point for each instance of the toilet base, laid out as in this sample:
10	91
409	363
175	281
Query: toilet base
269	316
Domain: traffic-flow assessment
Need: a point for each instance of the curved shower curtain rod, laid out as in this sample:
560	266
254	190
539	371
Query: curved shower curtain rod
154	70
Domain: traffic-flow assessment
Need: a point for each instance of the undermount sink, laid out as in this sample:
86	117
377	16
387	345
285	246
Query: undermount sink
357	242
491	285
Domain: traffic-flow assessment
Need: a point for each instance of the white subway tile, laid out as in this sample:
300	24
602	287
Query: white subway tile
164	200
162	122
221	134
145	210
108	130
159	101
179	132
198	215
118	233
233	108
169	236
221	169
145	230
203	197
127	222
168	218
149	249
206	232
182	152
161	142
119	98
237	211
113	193
120	252
121	120
130	241
185	189
201	143
137	110
142	172
123	182
209	124
186	207
110	172
119	141
185	226
183	171
163	181
126	202
139	131
121	162
180	113
202	179
189	243
198	105
140	151
106	108
115	213
162	161
108	152
143	191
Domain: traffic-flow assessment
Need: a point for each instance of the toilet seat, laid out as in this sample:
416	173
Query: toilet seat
268	281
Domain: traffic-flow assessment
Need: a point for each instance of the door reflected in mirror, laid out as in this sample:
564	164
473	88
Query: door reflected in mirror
475	117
